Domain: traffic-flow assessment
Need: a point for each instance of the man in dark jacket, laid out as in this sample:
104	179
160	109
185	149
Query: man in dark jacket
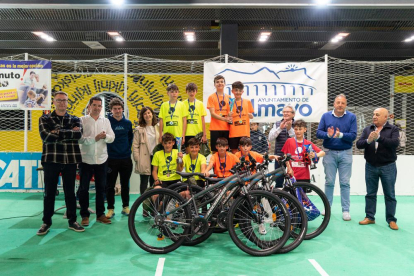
380	142
119	157
280	132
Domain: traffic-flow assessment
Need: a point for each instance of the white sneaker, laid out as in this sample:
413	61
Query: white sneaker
346	216
262	229
323	213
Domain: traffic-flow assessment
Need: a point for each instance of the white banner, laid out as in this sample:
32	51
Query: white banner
25	84
272	86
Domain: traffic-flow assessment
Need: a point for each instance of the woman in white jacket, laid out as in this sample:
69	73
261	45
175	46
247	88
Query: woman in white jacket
146	136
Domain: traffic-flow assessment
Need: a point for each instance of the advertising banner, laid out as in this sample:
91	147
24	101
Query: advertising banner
25	84
404	84
272	86
18	172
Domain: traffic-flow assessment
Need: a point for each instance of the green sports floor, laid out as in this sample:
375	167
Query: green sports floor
345	248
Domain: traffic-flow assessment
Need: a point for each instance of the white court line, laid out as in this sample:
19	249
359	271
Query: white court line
160	267
318	267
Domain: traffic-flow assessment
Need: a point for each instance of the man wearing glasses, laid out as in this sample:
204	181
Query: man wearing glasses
60	133
280	132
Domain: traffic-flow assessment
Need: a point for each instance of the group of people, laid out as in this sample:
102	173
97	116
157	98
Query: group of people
338	130
102	148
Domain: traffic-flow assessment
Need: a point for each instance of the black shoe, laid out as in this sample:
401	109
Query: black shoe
76	227
43	229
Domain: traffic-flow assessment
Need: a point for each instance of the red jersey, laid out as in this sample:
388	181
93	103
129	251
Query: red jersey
297	150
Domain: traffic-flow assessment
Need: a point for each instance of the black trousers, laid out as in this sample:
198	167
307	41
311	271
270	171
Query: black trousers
86	173
123	167
144	180
51	175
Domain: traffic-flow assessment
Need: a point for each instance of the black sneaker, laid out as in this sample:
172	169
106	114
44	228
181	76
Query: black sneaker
43	229
76	227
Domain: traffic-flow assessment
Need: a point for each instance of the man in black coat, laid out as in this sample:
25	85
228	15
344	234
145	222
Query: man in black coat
380	141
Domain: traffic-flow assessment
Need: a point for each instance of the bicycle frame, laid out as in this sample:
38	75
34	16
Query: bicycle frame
229	183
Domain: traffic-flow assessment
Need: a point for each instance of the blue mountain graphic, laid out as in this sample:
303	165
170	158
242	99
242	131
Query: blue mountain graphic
292	69
289	69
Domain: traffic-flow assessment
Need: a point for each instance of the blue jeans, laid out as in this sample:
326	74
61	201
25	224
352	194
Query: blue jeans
388	176
100	173
341	161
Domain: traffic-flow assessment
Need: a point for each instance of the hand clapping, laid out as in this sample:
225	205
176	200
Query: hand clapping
332	133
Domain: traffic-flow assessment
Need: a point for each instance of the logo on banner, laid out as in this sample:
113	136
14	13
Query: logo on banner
270	87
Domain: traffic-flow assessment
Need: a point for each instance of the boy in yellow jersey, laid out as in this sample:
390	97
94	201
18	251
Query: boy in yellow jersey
166	164
173	115
245	146
196	115
194	162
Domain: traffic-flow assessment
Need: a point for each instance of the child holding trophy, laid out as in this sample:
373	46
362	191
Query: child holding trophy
296	146
218	105
241	113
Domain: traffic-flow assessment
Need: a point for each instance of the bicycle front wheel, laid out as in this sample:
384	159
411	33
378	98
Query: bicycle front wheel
253	223
202	205
314	201
153	227
298	223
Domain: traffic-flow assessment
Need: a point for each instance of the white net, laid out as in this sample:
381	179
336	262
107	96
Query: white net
367	85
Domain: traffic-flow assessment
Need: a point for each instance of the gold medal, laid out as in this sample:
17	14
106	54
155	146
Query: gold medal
221	115
241	121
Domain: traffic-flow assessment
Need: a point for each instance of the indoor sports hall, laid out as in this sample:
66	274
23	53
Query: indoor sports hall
110	112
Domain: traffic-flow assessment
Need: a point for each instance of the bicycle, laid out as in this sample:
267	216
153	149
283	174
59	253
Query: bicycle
312	198
171	221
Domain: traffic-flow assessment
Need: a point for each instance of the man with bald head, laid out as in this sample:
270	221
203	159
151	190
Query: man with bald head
380	142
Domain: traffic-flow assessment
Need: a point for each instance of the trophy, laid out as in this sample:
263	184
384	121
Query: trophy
315	159
231	104
179	142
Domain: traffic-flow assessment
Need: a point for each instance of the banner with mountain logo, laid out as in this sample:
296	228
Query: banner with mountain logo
270	87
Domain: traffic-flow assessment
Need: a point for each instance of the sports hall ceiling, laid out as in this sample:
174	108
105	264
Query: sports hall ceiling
155	29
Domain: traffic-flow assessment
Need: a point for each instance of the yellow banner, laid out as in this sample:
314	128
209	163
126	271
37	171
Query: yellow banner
404	84
143	90
8	94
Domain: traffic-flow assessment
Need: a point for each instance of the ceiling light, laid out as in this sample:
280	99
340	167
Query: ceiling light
117	2
116	36
264	36
322	2
113	33
334	40
189	36
409	39
44	36
343	34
